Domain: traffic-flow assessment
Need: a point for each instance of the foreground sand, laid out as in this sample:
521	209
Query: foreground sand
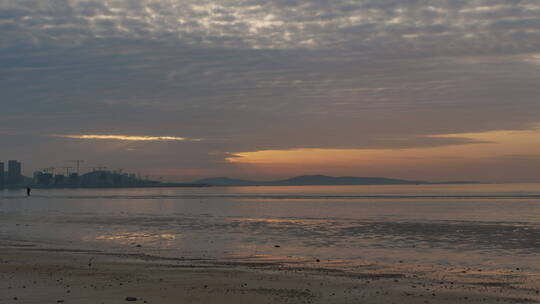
40	274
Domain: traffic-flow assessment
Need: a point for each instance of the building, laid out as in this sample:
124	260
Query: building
59	179
2	175
43	178
73	179
14	176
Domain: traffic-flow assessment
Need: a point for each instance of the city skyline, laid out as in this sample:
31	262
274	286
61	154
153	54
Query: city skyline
48	177
418	90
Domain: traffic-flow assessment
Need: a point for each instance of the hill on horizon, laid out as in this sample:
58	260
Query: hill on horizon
309	180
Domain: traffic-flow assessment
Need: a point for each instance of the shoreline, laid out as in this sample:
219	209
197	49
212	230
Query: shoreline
170	185
34	272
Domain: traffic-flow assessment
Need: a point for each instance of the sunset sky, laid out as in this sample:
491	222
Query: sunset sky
263	89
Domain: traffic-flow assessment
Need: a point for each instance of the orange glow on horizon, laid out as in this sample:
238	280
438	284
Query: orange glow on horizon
495	144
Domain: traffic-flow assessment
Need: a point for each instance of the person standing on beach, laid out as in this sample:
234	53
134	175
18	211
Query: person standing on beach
28	190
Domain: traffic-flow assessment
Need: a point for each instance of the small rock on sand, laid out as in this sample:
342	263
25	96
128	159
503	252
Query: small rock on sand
131	299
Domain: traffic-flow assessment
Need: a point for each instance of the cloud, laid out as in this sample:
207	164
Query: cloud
253	75
437	27
127	137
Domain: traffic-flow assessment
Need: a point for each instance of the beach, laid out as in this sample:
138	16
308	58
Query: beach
32	273
444	244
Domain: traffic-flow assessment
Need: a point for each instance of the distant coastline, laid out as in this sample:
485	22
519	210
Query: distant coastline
149	185
95	179
304	180
320	180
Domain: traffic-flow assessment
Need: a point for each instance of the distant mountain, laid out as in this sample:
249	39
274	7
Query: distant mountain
342	180
309	180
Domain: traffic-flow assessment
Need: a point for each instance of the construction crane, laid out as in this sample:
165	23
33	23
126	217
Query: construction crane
78	162
67	170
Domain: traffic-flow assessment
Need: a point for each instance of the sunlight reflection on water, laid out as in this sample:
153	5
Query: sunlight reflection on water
490	224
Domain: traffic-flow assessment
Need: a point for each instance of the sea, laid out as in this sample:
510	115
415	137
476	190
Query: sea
492	226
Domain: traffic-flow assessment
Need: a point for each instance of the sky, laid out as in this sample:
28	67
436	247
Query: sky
264	89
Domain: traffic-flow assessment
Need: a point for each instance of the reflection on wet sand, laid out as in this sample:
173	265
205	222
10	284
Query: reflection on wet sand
443	224
164	239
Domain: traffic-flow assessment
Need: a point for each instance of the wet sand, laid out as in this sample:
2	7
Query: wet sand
42	273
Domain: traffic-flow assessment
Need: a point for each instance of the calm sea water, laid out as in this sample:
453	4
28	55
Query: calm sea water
494	226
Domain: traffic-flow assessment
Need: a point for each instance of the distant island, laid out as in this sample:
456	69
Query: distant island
319	180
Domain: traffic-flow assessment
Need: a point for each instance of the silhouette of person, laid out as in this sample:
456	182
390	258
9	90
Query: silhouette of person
28	190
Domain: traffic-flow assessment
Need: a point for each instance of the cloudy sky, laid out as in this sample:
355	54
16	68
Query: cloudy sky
418	89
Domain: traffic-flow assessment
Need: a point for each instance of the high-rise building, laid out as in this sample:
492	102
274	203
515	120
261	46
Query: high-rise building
2	174
14	176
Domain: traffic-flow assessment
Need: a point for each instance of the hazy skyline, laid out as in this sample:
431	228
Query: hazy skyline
432	90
